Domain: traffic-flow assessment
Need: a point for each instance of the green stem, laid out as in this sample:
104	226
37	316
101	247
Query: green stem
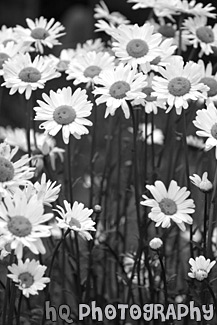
205	220
211	216
12	304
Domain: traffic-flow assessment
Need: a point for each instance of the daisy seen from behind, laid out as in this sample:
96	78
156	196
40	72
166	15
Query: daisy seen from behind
13	173
169	205
22	223
76	218
135	44
179	83
41	32
200	267
29	276
119	85
206	121
24	75
64	110
202	182
85	68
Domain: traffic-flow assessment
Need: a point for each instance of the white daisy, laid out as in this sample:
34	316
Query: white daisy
5	249
210	80
76	218
200	267
41	32
96	45
22	223
7	52
64	110
195	142
29	276
47	191
102	12
202	183
41	144
7	34
159	7
23	75
179	84
62	62
150	103
158	136
136	45
206	121
13	173
189	7
85	68
102	26
119	85
199	33
171	204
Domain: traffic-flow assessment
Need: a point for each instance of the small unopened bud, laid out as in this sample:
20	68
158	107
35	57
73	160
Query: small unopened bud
97	208
155	243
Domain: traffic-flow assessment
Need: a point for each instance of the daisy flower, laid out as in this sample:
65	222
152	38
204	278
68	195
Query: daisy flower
202	183
47	191
7	34
13	173
23	75
85	68
199	33
159	7
76	218
41	32
7	52
64	110
136	45
195	142
62	62
41	144
119	84
102	12
29	276
171	204
179	83
189	8
150	103
158	136
96	45
166	50
210	80
5	249
200	267
102	26
22	223
206	121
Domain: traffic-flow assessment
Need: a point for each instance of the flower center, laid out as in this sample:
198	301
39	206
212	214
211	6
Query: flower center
26	279
205	34
29	74
212	84
118	89
6	170
3	58
19	226
39	33
64	114
179	86
167	31
137	48
213	131
62	65
168	206
148	91
92	71
201	274
74	223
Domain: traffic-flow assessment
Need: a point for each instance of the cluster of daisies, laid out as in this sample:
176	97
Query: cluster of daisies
140	67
